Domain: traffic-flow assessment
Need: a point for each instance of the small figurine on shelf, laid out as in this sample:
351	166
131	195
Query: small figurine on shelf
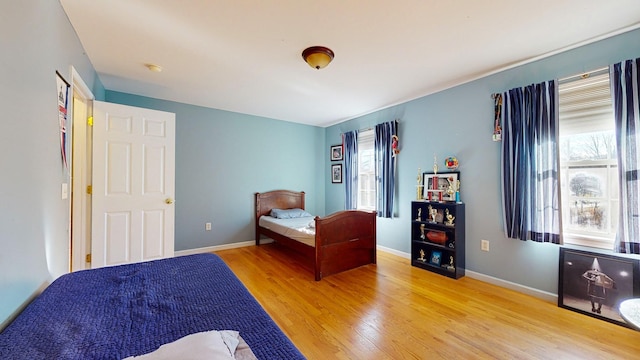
419	217
450	266
422	236
453	189
433	213
450	189
449	217
421	258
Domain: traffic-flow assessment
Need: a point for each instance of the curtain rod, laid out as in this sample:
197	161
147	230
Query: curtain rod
370	127
364	129
583	75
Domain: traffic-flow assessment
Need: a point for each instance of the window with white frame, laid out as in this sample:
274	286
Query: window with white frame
588	164
366	170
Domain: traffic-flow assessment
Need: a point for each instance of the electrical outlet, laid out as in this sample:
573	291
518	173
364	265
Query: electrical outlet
484	245
207	226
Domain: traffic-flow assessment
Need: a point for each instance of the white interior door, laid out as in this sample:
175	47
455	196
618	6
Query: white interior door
133	184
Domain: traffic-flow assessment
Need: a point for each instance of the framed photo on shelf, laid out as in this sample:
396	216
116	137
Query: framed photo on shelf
336	152
436	257
595	284
445	180
336	173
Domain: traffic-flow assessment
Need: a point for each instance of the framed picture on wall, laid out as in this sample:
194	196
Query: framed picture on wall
595	284
336	152
336	173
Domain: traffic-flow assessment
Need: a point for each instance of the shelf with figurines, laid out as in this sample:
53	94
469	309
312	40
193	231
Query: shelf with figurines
437	239
438	227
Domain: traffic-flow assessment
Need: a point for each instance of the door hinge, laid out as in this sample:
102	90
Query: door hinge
90	121
87	258
89	189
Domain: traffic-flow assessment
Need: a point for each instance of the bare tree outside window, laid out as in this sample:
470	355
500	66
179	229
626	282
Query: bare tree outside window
586	159
592	146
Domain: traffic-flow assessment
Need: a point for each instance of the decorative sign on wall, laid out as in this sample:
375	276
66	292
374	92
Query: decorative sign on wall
63	103
395	145
497	128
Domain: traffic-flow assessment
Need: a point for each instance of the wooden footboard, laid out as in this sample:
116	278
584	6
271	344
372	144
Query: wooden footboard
344	240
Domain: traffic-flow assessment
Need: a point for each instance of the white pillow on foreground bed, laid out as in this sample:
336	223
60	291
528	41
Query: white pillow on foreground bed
203	345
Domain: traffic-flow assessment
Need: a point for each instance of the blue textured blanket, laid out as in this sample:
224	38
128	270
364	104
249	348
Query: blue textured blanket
120	311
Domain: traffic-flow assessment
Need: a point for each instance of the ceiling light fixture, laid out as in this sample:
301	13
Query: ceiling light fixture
154	67
317	56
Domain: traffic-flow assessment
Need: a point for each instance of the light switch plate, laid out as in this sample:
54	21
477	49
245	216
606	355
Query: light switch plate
484	245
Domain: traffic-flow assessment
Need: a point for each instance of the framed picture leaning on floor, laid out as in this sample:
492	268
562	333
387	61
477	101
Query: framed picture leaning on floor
595	284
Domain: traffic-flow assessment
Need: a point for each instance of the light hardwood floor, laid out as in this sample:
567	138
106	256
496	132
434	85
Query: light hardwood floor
395	311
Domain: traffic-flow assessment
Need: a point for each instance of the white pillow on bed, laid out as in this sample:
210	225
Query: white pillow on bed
199	346
289	213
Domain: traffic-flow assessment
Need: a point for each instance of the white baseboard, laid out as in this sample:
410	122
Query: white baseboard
209	249
490	279
547	296
394	252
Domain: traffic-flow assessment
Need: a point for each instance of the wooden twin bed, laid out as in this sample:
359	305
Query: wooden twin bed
343	240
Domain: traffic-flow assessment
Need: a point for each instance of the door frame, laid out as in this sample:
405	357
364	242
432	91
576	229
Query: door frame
80	173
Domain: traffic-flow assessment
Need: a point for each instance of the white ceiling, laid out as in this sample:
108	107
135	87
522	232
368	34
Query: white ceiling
245	55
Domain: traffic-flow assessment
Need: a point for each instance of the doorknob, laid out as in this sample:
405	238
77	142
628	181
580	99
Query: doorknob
169	201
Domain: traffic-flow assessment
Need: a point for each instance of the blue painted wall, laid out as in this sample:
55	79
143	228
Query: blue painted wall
459	121
223	158
37	39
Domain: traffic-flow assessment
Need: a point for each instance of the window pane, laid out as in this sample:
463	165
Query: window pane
366	161
366	171
588	146
590	215
588	182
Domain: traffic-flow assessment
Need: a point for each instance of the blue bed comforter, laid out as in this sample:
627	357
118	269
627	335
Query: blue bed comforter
120	311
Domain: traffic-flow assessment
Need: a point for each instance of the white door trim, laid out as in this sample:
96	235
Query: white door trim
80	172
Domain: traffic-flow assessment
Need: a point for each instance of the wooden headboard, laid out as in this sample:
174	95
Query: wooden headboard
278	199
